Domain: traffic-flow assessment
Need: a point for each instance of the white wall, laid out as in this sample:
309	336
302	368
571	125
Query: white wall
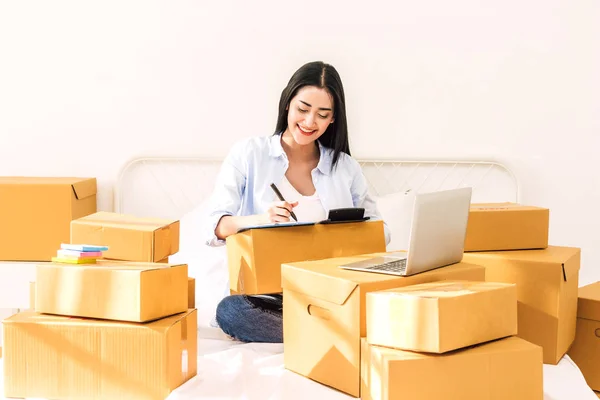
86	86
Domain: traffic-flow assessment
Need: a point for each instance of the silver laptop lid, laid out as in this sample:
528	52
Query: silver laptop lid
439	228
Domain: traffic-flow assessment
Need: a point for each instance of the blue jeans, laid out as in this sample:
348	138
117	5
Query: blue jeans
252	318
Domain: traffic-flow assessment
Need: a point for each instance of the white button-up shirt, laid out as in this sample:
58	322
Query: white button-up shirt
243	184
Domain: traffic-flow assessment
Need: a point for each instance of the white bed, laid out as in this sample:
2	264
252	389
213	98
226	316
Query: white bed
178	188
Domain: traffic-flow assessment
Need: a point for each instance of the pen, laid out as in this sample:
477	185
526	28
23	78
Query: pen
278	193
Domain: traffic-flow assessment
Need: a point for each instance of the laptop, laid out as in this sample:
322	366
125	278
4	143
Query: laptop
437	236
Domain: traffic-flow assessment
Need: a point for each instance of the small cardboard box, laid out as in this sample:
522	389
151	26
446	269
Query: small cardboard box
112	290
506	226
504	369
325	317
191	293
438	317
255	256
55	357
585	351
129	238
35	214
547	283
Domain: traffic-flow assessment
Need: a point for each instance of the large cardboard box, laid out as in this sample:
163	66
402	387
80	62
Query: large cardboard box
128	237
585	350
112	290
506	226
547	282
438	317
325	315
35	214
57	357
504	369
255	256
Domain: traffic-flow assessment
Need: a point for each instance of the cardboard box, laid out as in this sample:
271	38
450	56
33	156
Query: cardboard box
585	351
112	290
191	293
509	368
438	317
56	357
255	256
325	309
506	226
129	238
39	211
547	282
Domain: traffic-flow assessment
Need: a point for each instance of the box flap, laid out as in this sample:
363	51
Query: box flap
124	221
84	188
31	317
551	255
325	287
444	289
588	305
114	265
498	346
572	265
39	180
324	279
503	207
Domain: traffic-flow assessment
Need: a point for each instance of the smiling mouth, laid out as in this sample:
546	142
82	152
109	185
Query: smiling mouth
305	132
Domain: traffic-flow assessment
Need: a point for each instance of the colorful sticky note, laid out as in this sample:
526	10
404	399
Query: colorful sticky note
83	247
65	260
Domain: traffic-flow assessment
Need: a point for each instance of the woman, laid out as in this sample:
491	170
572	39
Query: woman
308	158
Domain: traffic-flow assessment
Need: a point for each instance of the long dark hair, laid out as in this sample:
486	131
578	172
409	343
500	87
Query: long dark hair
324	76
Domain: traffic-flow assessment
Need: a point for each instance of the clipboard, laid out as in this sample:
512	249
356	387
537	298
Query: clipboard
275	225
336	216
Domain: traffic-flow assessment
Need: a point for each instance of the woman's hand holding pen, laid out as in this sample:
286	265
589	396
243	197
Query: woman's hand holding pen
280	211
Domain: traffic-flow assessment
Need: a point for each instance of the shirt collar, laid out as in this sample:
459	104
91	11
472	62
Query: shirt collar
325	154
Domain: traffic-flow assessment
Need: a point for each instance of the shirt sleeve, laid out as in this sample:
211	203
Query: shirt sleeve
227	194
362	198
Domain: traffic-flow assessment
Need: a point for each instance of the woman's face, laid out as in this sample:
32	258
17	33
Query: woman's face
309	114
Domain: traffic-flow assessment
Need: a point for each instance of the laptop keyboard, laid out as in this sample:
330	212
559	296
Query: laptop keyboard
392	266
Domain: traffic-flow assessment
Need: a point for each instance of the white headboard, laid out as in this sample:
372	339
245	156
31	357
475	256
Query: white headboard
170	187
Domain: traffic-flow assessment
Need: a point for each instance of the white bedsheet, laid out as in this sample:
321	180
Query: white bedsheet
232	370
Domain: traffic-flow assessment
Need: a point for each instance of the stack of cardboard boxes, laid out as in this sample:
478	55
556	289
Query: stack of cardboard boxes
116	329
451	340
124	327
325	315
511	242
35	218
529	302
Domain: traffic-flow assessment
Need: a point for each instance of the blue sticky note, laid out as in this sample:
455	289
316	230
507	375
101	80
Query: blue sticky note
83	247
